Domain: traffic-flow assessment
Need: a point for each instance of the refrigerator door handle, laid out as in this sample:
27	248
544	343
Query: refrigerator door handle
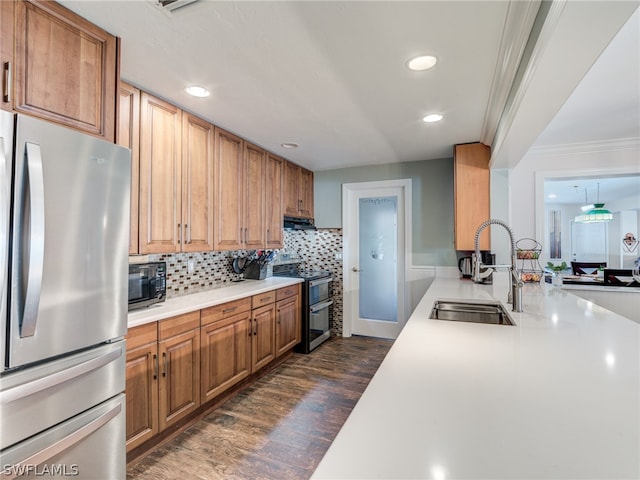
36	248
69	441
4	219
31	388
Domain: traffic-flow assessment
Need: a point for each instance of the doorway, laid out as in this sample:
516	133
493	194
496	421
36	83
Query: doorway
376	219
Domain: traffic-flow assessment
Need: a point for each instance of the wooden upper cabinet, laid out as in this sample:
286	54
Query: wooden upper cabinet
160	176
298	191
128	135
65	69
471	194
197	184
273	202
306	193
253	196
6	52
229	175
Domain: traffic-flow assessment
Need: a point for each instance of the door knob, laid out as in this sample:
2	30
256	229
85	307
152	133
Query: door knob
355	269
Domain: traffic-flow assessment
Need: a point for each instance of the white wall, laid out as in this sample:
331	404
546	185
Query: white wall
526	204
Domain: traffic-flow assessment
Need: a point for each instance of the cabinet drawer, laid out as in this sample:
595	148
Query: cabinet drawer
286	292
263	299
141	335
180	324
224	310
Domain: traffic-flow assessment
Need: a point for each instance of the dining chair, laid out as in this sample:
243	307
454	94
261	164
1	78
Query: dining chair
586	268
612	277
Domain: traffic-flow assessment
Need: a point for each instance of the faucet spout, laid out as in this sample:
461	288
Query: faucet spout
515	294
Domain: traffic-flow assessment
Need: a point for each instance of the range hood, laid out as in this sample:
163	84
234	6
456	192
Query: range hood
296	223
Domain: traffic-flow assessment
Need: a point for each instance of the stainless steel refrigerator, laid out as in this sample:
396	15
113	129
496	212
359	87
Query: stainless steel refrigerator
64	233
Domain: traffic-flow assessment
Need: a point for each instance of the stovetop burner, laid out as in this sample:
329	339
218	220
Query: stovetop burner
292	271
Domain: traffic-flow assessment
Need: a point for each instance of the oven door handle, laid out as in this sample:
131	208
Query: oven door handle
320	281
320	306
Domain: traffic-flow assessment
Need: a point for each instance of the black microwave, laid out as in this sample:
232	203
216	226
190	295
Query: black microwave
147	284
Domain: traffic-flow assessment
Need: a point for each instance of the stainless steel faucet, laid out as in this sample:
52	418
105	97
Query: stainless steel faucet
481	271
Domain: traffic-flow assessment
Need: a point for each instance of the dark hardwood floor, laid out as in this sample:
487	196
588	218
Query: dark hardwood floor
277	428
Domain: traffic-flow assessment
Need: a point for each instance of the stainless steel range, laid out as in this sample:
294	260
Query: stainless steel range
317	304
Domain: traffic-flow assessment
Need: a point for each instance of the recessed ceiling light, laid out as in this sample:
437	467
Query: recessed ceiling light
433	117
197	91
424	62
289	145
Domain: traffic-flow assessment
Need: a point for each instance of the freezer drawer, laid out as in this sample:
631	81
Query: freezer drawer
34	399
88	446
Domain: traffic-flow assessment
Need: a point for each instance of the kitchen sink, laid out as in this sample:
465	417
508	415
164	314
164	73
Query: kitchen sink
471	311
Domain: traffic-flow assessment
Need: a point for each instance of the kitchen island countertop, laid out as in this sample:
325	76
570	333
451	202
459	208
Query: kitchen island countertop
196	301
555	397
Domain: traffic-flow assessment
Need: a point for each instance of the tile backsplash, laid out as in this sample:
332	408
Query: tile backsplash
316	248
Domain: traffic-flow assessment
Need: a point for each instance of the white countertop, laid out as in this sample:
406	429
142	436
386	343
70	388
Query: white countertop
196	301
555	397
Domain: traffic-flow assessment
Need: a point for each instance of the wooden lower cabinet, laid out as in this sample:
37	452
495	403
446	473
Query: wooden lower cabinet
142	384
162	375
263	338
179	388
226	354
178	364
288	333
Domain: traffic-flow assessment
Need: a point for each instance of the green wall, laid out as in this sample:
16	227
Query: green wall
432	191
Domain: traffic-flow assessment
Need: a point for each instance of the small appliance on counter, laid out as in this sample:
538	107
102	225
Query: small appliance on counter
465	267
147	284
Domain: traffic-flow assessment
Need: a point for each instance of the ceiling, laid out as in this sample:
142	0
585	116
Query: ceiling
588	190
332	76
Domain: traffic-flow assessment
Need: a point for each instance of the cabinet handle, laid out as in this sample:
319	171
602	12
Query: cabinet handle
179	233
187	233
164	364
230	309
265	299
250	326
255	326
155	366
246	235
6	82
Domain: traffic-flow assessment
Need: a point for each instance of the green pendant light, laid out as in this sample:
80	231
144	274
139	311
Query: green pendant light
596	213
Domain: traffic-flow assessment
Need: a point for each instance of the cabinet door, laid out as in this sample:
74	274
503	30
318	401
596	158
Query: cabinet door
6	53
291	185
226	354
306	193
65	68
128	135
471	194
142	394
288	333
160	169
179	389
228	173
254	200
197	184
263	338
273	202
